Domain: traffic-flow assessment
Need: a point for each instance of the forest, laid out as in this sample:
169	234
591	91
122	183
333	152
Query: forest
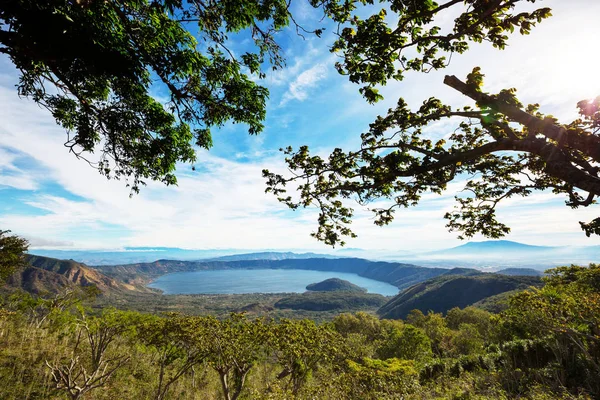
544	345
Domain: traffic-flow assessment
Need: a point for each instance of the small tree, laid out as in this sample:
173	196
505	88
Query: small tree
174	340
300	347
408	343
358	323
12	254
79	376
234	345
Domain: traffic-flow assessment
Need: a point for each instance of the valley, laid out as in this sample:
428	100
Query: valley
276	285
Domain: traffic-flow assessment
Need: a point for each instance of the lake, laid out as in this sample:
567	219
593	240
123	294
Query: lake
238	281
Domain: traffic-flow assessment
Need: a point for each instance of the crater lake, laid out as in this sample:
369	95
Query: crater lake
240	281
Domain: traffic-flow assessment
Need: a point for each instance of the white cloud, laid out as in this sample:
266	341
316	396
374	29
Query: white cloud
299	89
223	204
11	176
18	182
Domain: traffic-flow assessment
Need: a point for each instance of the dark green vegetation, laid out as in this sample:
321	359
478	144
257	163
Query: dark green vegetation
449	291
545	345
520	271
93	65
327	301
334	285
12	248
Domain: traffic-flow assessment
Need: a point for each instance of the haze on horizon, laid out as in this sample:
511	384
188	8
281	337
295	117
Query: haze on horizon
58	202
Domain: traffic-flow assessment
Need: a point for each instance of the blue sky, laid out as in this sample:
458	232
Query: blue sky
57	201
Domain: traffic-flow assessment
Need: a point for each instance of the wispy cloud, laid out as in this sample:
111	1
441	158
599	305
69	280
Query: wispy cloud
299	89
13	177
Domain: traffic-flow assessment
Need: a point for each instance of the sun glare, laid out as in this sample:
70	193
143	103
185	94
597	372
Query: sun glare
572	68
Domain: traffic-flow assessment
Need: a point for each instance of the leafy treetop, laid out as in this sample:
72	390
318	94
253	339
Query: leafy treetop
95	65
501	147
12	253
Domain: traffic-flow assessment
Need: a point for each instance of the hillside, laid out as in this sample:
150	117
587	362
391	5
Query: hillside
335	285
520	271
44	274
398	274
446	292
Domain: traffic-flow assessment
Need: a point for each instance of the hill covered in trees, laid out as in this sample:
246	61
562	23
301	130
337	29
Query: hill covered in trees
328	301
335	285
445	292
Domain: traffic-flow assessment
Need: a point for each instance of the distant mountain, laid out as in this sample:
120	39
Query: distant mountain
520	271
443	293
44	274
507	254
130	255
335	285
491	247
133	255
272	255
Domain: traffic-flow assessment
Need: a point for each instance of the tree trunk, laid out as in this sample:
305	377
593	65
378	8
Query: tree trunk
240	384
224	384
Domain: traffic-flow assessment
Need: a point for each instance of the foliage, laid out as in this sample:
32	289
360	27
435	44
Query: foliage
381	379
174	340
481	319
78	376
300	347
12	253
94	65
501	147
234	346
359	323
564	314
408	343
435	327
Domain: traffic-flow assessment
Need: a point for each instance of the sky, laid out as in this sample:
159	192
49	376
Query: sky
58	202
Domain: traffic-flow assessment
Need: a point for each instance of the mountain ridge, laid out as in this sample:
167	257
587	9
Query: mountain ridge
46	274
445	292
400	275
480	254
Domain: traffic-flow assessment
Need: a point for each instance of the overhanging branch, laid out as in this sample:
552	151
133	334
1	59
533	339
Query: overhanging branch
588	144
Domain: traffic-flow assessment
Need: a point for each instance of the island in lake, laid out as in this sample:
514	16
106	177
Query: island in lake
335	285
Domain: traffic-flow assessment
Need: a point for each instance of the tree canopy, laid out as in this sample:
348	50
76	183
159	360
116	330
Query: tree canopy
501	148
12	253
100	68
